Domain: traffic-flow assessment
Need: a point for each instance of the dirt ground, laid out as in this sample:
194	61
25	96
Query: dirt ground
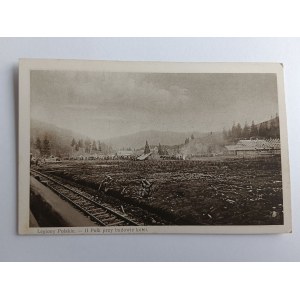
204	192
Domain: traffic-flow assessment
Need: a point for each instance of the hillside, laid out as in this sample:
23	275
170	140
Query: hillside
271	125
210	143
59	138
137	140
268	129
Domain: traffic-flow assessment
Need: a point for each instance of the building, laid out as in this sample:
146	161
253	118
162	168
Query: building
125	153
255	147
144	156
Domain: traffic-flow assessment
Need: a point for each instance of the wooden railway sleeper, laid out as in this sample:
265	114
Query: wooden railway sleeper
109	219
117	223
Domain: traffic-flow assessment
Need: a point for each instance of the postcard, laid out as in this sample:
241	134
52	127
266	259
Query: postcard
110	147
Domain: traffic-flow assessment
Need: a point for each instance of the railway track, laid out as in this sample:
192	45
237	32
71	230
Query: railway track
99	213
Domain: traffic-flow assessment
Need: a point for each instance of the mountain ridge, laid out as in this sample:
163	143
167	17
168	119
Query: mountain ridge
154	137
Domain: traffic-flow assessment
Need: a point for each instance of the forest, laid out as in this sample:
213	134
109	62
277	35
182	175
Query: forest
264	130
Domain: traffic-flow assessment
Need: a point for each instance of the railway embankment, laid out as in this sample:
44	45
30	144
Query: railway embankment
49	210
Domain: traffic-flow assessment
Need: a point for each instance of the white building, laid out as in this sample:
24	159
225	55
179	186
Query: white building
255	147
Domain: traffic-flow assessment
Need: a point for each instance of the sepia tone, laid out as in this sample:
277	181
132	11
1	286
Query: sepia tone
154	149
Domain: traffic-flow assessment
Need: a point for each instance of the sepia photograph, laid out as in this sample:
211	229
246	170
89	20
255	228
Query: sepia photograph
142	147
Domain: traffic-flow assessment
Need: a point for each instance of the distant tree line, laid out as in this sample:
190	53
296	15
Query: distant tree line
87	144
265	130
161	150
43	146
90	145
127	149
187	140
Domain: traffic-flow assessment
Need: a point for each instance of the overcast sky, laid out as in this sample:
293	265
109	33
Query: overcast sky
104	105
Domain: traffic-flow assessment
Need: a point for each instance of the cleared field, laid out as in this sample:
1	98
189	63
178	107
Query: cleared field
211	192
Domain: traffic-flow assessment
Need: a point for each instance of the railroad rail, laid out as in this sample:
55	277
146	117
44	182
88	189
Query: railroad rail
97	212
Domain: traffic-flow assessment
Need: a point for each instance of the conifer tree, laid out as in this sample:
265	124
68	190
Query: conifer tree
238	130
38	145
229	135
80	143
253	130
246	131
147	148
233	131
46	146
263	130
94	147
160	150
87	143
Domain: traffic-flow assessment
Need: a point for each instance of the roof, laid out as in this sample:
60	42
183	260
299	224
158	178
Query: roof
125	152
231	147
144	156
271	144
